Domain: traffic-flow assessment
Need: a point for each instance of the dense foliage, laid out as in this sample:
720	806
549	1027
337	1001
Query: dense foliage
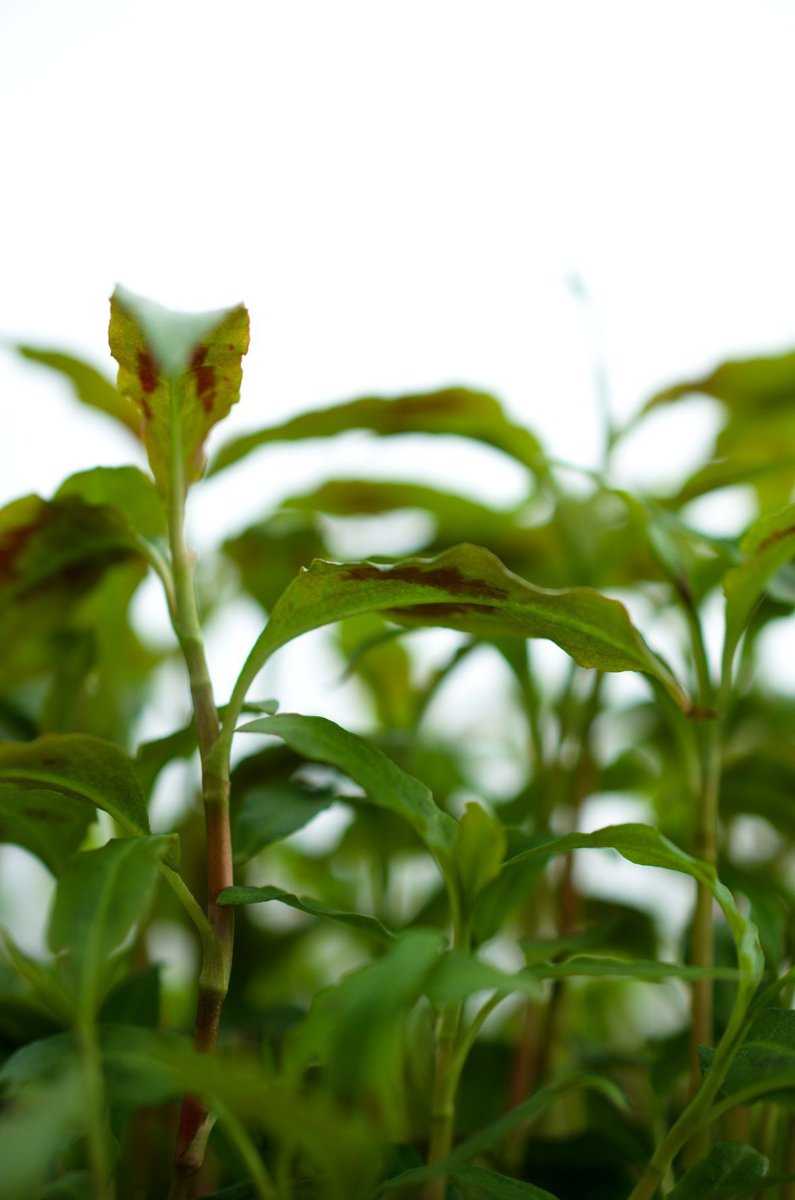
426	999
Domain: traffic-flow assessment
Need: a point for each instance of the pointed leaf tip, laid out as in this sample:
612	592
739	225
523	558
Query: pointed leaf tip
183	372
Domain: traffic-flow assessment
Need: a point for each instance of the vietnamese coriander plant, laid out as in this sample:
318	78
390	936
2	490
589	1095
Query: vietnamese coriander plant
422	993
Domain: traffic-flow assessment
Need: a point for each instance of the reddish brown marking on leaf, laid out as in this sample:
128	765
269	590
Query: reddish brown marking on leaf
205	378
778	535
447	579
12	544
46	814
699	712
441	611
440	403
147	377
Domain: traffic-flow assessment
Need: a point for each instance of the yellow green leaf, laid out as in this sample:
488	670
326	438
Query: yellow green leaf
183	372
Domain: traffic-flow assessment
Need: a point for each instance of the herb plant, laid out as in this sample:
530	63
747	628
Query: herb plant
442	1006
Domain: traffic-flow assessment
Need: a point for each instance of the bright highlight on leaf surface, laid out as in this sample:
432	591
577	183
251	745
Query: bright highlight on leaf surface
183	372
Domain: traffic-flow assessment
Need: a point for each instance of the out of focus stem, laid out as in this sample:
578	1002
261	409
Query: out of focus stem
97	1132
706	848
448	1063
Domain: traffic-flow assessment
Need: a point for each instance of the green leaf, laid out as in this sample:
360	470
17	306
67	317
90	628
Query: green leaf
135	1000
376	657
508	891
458	975
495	1133
68	566
46	989
183	372
757	441
693	561
759	465
23	1014
233	896
355	1028
385	784
127	490
62	545
74	1185
49	824
767	546
81	767
479	1183
469	589
270	554
459	411
34	1131
479	849
730	1171
236	1191
100	898
741	385
764	1065
272	812
457	516
643	845
90	386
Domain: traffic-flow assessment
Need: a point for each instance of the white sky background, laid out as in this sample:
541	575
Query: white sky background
400	192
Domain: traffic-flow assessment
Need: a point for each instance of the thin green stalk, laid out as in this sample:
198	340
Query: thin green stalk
95	1109
195	1120
443	1099
467	1040
788	1189
248	1154
701	1111
691	1121
191	906
447	1062
706	848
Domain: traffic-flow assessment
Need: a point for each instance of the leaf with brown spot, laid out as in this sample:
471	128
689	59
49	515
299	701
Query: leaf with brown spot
61	545
183	372
457	411
469	589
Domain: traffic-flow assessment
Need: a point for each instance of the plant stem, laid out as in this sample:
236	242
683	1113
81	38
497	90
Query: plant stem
706	848
448	1064
443	1100
788	1190
96	1112
195	1121
247	1151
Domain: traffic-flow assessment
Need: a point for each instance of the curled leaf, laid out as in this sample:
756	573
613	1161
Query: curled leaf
183	373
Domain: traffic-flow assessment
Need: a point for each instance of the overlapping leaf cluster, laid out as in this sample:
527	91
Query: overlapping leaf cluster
426	994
